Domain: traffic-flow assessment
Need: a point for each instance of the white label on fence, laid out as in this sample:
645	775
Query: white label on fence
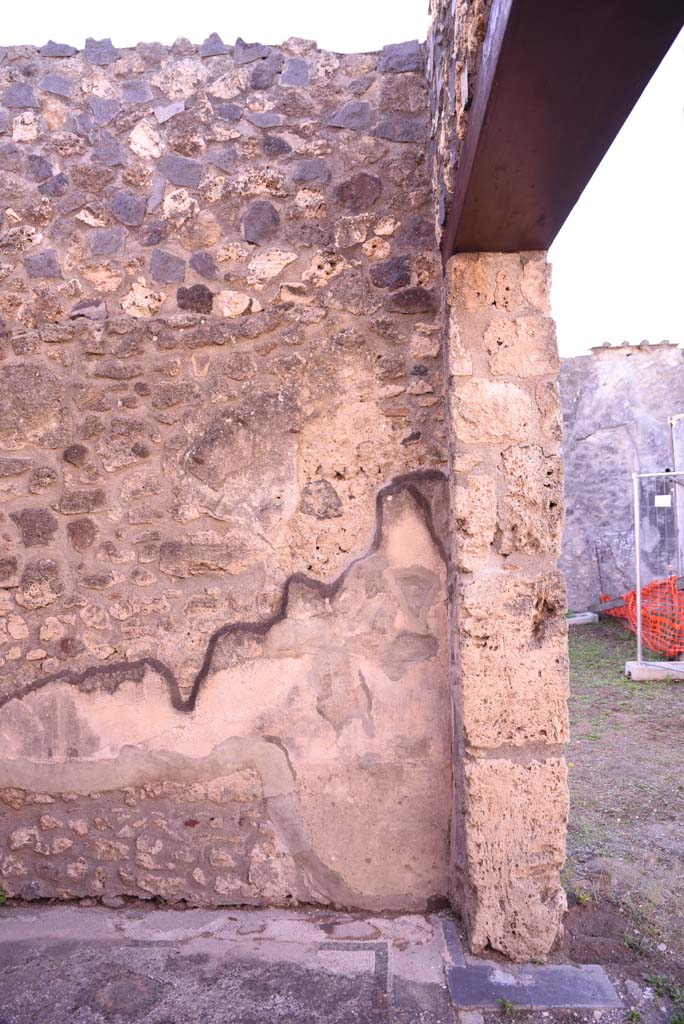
663	500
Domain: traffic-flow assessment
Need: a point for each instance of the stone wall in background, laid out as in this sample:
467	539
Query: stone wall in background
616	404
510	667
221	382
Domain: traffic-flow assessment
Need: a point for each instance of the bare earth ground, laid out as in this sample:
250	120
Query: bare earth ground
624	876
625	868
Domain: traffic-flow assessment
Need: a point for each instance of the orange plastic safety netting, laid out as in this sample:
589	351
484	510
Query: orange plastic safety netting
662	615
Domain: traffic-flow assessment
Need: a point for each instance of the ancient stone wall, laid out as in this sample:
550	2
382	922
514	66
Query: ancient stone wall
454	48
616	404
221	384
508	603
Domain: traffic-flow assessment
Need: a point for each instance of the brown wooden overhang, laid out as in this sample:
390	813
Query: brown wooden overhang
557	80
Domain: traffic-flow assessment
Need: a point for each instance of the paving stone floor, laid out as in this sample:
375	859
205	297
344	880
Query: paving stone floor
81	965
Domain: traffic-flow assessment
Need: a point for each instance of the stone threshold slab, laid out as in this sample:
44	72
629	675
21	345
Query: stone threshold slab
645	671
483	985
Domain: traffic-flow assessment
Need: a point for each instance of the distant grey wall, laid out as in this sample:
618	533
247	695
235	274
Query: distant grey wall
616	404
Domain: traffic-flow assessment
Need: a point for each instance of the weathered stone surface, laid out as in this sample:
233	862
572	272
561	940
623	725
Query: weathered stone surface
166	268
315	169
260	222
103	110
100	51
392	273
246	53
266	71
519	661
55	186
401	129
532	513
128	208
136	90
213	46
52	49
296	72
523	347
204	264
19	96
493	411
265	119
107	241
36	525
515	867
413	300
109	151
40	584
355	114
180	170
82	533
320	499
198	298
360	192
510	636
399	57
165	111
78	501
58	85
39	167
43	264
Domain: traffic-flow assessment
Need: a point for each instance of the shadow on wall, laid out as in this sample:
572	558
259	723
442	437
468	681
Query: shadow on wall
328	719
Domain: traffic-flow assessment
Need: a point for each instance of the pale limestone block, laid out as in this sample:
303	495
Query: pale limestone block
536	281
524	347
470	281
547	395
513	660
489	411
460	362
531	517
475	517
515	822
145	141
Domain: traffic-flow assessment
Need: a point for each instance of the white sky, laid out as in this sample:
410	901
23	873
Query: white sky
618	266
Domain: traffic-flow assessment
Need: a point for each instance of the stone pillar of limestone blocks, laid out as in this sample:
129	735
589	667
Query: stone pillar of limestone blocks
509	649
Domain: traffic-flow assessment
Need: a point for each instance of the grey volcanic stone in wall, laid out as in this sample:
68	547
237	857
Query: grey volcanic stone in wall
246	53
38	167
355	114
103	110
108	241
109	151
180	170
20	95
43	264
315	169
204	263
128	208
165	111
296	72
401	57
52	49
100	51
260	222
166	268
58	85
616	404
213	46
137	90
